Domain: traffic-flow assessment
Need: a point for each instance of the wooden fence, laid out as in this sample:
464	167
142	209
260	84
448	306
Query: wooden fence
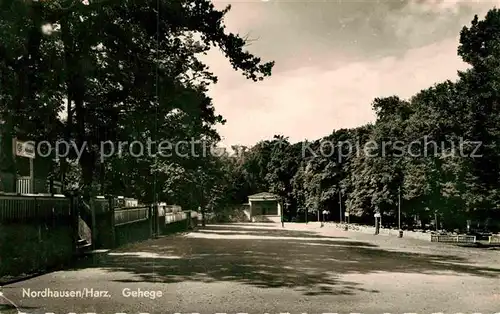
131	215
453	238
15	207
109	211
36	232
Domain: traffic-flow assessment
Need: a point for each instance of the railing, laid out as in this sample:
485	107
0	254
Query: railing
102	205
19	207
14	207
23	186
129	215
453	238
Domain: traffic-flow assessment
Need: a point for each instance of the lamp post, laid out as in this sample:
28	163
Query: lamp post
399	213
282	221
399	208
340	205
436	220
377	216
285	205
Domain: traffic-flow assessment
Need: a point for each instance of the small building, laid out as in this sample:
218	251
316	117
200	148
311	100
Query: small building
264	205
20	170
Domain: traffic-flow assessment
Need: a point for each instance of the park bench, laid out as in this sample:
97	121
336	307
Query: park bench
494	239
453	238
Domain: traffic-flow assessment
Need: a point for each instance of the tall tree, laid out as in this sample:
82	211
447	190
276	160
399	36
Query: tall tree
123	68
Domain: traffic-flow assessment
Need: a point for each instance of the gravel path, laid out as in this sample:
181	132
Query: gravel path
263	268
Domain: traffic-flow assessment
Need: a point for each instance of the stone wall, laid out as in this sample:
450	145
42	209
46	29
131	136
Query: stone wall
133	232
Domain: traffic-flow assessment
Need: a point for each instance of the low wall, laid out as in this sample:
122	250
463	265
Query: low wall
104	231
177	222
34	247
133	232
110	235
116	227
174	227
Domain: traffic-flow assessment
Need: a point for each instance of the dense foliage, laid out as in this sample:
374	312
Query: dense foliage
130	71
118	71
438	150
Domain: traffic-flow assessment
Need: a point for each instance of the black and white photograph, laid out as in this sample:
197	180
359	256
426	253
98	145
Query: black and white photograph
249	156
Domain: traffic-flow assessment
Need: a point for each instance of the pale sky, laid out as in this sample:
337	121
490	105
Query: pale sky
332	59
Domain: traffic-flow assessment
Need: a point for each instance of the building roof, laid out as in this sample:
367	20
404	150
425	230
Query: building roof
264	196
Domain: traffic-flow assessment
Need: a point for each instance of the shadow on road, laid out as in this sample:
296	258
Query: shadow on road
230	230
281	259
266	225
6	308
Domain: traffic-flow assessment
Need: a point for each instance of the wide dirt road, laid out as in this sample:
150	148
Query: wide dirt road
263	268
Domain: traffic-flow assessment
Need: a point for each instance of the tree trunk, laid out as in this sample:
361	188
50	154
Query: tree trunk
76	91
102	178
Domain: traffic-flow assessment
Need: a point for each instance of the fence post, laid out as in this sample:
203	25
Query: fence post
112	219
151	221
156	220
75	214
